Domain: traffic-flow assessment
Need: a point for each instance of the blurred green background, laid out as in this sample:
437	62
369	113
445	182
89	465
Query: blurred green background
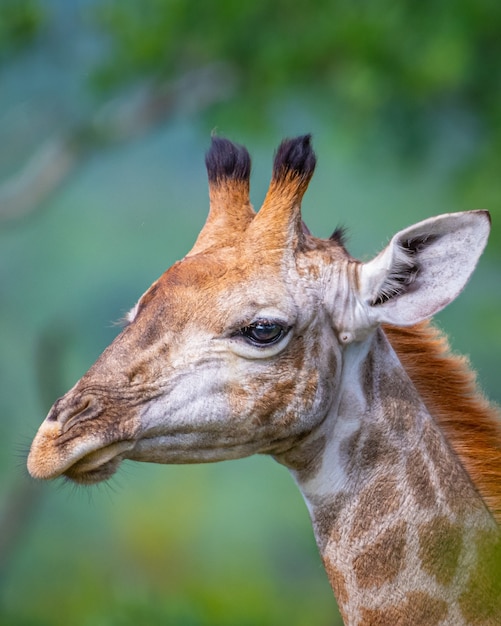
106	110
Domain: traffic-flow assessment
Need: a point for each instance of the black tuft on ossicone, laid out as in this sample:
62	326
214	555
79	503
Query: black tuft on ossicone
295	155
226	160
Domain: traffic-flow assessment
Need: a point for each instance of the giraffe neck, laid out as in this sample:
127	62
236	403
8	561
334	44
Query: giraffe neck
401	529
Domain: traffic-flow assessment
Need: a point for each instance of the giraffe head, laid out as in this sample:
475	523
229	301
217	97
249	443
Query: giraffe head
238	348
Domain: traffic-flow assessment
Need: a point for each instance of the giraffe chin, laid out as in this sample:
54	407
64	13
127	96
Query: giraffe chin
93	476
98	465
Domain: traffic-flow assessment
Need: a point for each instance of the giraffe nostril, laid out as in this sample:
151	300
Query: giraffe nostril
83	408
80	411
68	411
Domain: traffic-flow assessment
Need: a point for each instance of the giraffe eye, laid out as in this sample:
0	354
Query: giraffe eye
264	332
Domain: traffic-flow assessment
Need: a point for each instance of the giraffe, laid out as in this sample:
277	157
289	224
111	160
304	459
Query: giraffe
264	339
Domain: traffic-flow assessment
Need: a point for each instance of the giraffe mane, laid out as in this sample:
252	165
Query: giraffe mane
449	389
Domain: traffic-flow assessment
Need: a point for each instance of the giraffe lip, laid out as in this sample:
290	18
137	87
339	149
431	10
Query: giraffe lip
97	465
94	459
93	475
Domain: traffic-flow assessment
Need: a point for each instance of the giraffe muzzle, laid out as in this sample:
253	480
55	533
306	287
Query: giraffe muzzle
74	440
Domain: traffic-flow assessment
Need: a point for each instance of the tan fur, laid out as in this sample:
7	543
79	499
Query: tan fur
448	387
230	213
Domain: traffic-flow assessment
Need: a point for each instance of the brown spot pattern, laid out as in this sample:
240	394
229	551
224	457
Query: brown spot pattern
364	453
454	482
382	561
337	582
367	378
447	386
440	544
278	396
379	499
284	393
396	384
325	519
348	449
418	479
306	458
376	450
419	609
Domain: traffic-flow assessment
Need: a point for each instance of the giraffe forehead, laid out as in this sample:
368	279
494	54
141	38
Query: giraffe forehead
226	288
217	288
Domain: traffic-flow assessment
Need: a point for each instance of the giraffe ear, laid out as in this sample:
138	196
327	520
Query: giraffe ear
423	268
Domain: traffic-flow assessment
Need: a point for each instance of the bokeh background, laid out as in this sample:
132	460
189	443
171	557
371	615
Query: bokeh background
106	111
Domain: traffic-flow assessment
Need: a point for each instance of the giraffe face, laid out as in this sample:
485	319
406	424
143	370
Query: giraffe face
220	359
238	348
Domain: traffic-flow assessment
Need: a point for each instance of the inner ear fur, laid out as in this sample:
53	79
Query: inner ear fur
423	268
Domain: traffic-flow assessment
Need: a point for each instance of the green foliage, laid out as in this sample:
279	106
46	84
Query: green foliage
227	544
384	58
217	545
20	21
408	72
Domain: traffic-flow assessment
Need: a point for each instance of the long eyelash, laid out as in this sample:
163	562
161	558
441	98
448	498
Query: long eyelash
128	318
121	322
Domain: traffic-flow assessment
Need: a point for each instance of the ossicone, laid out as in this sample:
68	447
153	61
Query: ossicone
278	224
227	161
228	169
295	158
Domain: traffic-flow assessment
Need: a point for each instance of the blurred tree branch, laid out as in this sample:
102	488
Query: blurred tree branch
403	74
123	118
18	511
415	77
